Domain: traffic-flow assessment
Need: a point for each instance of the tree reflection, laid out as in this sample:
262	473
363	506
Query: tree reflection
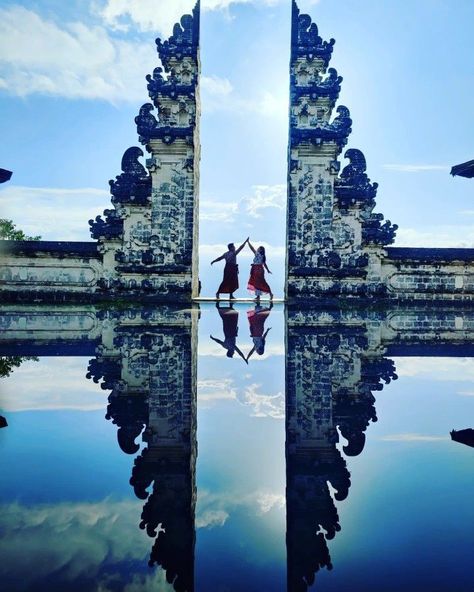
7	365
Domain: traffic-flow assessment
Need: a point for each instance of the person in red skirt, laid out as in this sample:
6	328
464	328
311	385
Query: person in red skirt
258	334
257	282
230	282
230	327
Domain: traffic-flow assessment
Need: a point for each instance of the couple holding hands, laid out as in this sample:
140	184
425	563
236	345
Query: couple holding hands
256	283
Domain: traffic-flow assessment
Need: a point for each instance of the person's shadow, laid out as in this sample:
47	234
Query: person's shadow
230	328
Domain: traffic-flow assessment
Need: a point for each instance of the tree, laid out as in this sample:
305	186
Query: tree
9	231
9	363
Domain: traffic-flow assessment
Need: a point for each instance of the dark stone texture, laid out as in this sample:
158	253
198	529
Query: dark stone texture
429	255
55	248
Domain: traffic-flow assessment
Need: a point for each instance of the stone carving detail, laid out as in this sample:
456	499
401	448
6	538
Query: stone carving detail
331	373
131	187
332	229
354	185
156	210
109	228
338	131
183	43
150	368
173	89
306	41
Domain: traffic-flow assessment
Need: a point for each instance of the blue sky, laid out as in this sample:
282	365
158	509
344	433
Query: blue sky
72	78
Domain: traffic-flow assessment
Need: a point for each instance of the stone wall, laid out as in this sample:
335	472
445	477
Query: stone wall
38	270
428	274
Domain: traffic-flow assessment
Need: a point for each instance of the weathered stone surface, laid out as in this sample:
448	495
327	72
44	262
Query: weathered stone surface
336	244
147	244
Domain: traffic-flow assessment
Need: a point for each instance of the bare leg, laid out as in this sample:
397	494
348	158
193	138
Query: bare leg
271	296
217	295
231	297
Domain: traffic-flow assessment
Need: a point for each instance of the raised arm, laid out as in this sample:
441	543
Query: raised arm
250	354
218	259
241	246
218	341
241	354
251	246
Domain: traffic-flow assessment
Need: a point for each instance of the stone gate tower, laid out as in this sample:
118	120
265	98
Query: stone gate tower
150	240
332	234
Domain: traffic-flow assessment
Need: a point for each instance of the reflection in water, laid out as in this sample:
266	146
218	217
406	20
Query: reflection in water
230	320
150	365
230	328
257	318
330	376
335	361
463	436
7	365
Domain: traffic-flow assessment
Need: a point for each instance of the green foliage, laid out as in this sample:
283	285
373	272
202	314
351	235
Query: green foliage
9	363
9	231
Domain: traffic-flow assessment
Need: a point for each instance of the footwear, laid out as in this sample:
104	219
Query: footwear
231	297
217	295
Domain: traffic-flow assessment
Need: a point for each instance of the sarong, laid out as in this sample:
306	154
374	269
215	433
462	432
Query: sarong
257	279
230	282
257	322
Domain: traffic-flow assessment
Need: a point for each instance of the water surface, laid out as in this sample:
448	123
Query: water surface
236	448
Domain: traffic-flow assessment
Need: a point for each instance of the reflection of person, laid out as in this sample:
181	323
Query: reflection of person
230	282
257	282
258	334
230	321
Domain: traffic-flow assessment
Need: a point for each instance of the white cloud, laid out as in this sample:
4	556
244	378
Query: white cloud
161	15
53	213
466	393
207	251
218	211
215	86
213	509
213	390
263	405
415	168
254	205
436	236
413	438
211	518
266	501
82	539
72	60
439	369
265	196
218	94
63	385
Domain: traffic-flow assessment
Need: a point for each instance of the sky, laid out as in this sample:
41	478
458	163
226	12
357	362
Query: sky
72	79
